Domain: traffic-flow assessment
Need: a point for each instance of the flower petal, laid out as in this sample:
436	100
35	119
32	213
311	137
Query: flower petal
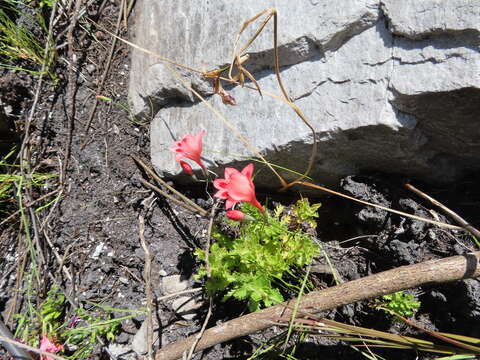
229	172
248	170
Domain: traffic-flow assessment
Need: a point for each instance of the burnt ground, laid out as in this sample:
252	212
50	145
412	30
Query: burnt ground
94	226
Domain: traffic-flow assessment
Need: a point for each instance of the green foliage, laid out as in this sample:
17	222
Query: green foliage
19	45
51	311
80	331
46	3
399	303
253	266
93	326
11	180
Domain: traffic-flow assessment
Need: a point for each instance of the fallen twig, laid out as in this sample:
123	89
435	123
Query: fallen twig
71	88
401	213
402	278
210	299
168	196
105	72
179	293
462	222
15	351
189	204
16	213
148	286
30	348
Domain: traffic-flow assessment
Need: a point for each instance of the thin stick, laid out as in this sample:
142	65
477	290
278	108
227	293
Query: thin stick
148	285
176	192
459	220
178	294
71	88
210	298
15	352
450	226
24	149
168	196
16	213
198	337
105	73
31	348
387	282
60	260
209	237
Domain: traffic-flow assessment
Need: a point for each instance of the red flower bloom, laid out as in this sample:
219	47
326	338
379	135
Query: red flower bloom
189	147
49	346
237	186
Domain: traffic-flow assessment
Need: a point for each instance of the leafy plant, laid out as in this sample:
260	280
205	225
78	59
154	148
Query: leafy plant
254	266
79	333
92	328
399	303
51	311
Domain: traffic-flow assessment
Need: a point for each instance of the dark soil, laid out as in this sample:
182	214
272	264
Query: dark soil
95	225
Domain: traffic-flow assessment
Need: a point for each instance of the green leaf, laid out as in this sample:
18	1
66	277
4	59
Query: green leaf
249	267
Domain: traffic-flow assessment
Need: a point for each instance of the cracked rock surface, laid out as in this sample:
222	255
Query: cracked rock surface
390	86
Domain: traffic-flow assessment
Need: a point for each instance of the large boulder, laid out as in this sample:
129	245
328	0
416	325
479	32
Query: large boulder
389	86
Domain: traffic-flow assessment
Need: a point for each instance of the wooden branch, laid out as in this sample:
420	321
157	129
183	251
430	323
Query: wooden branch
404	277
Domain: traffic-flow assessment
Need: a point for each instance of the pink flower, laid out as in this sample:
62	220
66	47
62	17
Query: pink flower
189	147
236	215
49	346
237	186
186	167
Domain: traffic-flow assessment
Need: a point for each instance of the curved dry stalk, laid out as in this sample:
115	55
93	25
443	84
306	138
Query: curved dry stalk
228	124
272	13
402	278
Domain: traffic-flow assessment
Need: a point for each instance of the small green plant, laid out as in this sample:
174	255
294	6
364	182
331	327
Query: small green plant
52	311
92	327
79	332
46	3
20	45
262	260
10	180
399	303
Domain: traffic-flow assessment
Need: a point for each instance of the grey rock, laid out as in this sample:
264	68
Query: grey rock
389	86
121	352
186	307
173	284
139	341
417	19
162	272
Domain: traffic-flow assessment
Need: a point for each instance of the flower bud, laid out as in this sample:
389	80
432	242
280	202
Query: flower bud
186	167
236	215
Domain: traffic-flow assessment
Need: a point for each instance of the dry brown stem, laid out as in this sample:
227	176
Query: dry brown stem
405	277
461	221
